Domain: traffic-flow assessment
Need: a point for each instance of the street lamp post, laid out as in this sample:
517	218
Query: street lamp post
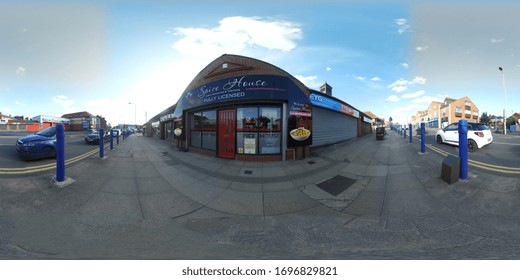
135	113
505	97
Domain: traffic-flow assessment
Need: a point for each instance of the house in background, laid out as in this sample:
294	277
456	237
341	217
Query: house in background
82	121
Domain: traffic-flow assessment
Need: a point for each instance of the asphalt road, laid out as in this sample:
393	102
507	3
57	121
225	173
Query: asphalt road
503	152
74	146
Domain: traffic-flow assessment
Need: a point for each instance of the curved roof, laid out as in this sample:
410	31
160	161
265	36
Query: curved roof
229	65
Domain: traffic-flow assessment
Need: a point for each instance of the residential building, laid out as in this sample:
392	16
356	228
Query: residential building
432	114
461	109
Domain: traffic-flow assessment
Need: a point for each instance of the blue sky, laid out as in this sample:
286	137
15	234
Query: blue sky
392	59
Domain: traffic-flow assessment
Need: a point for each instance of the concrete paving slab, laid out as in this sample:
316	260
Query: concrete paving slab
200	191
239	203
376	170
166	205
120	186
277	171
366	204
399	169
356	168
111	209
285	202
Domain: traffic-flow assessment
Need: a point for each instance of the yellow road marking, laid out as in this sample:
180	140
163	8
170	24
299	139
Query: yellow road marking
478	164
45	167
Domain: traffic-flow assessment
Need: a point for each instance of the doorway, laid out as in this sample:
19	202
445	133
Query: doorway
226	133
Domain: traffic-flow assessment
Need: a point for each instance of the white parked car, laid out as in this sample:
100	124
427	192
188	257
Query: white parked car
479	135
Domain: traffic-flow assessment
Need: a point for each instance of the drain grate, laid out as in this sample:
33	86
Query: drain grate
336	184
249	172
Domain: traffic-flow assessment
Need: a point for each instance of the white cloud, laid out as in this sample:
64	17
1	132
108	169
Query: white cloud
426	99
392	98
235	34
65	102
375	79
399	88
309	81
405	65
328	69
418	80
496	41
413	95
21	71
20	103
401	84
421	48
359	78
402	25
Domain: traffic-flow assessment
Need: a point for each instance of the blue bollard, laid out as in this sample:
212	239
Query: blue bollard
410	131
101	143
111	139
463	149
60	152
404	132
423	138
117	137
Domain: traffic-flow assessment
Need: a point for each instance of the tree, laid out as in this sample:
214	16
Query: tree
485	118
510	121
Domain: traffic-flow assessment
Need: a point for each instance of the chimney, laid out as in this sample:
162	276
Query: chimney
326	88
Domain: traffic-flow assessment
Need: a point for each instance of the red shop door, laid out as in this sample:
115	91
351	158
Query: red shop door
226	133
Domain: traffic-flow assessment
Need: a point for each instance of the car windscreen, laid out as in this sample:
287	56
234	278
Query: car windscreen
48	132
481	126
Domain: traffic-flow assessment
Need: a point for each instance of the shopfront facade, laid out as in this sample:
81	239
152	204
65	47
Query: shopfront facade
245	109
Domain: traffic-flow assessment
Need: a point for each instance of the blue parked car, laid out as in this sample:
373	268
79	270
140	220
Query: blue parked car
39	145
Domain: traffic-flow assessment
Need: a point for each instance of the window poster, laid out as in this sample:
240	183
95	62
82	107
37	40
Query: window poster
249	145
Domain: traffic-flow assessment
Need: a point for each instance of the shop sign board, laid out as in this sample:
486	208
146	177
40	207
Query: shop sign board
331	104
237	88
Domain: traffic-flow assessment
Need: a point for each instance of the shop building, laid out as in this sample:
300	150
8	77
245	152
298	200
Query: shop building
243	108
83	121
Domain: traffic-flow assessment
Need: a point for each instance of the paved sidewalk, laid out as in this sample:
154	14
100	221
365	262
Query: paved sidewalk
359	199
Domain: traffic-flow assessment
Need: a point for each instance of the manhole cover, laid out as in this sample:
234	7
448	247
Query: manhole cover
336	185
311	162
248	172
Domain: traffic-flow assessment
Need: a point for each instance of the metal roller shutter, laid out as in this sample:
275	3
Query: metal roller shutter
330	127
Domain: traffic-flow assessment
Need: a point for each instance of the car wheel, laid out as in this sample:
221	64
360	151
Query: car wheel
50	151
472	145
439	139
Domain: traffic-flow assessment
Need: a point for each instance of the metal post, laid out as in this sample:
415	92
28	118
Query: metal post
505	98
60	152
111	139
423	138
404	131
117	134
410	131
463	149
101	143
